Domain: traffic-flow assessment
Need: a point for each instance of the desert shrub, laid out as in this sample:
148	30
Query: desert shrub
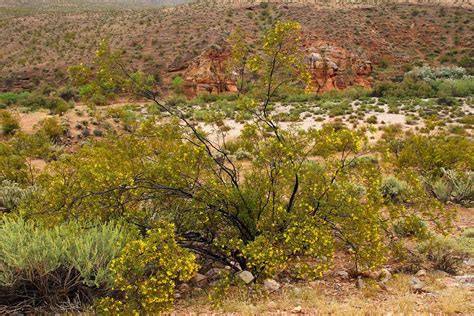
457	187
12	98
444	253
372	119
11	194
68	93
12	164
300	98
177	100
280	213
146	273
455	88
429	154
440	190
52	127
9	123
427	73
352	93
205	97
407	88
466	241
56	105
42	265
411	226
394	190
177	85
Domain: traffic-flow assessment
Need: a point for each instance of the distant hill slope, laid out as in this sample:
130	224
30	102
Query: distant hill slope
37	47
35	3
338	3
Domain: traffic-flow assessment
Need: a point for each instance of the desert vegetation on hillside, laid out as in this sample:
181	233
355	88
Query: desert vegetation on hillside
40	45
127	196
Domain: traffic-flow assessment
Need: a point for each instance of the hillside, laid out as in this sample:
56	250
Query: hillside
38	46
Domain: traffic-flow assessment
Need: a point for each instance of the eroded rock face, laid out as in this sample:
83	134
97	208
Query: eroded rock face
334	68
207	72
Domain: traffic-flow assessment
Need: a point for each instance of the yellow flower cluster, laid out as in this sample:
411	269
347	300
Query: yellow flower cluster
146	273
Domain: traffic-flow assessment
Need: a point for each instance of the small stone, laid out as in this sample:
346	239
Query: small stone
213	271
342	274
199	278
271	285
421	273
467	279
469	262
197	290
416	284
297	310
177	295
296	290
213	274
385	275
246	276
184	288
360	283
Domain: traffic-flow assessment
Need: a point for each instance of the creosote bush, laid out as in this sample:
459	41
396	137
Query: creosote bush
9	123
146	272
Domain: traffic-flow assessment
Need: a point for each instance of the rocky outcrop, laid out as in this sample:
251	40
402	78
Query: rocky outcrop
333	68
208	72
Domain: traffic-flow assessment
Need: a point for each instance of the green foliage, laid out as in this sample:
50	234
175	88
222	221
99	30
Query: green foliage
12	194
394	190
103	80
177	84
11	98
455	88
411	226
36	101
431	74
52	127
407	88
466	241
12	165
457	187
444	253
240	54
429	154
43	265
9	123
146	273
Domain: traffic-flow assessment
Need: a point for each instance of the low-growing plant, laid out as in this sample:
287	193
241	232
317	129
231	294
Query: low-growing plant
394	190
444	253
146	273
9	123
50	266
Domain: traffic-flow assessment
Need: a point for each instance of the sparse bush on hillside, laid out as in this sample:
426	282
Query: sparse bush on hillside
455	186
11	194
36	101
394	190
52	127
445	253
11	98
178	85
9	123
431	74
